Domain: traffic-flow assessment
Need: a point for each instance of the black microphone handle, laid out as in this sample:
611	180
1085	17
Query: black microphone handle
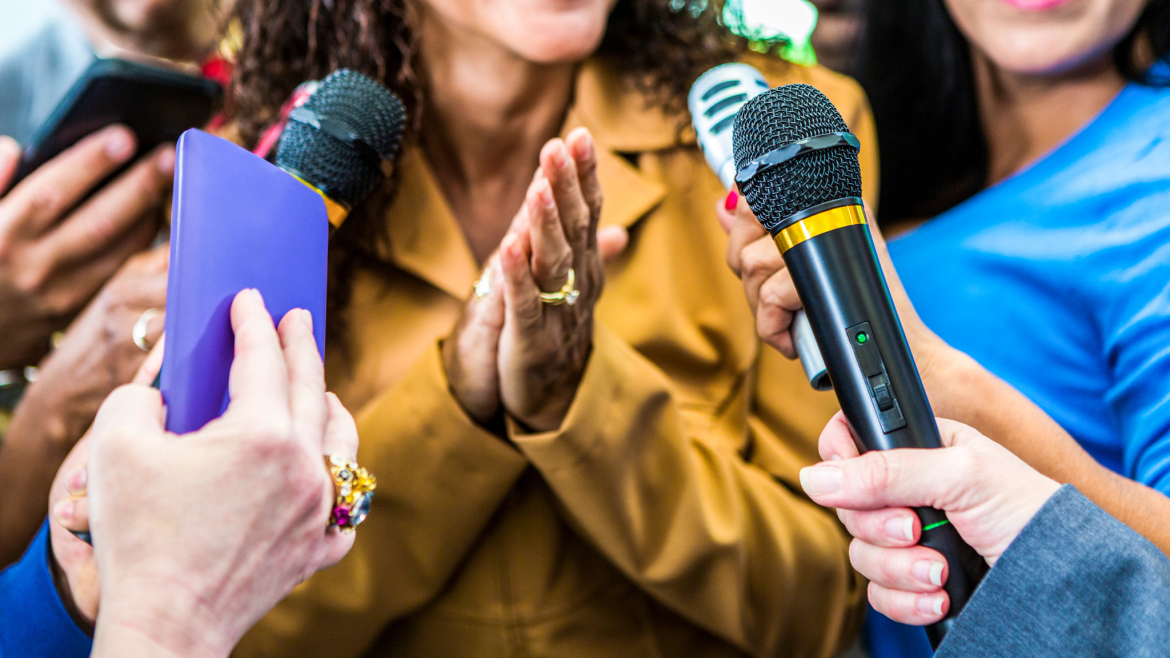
844	293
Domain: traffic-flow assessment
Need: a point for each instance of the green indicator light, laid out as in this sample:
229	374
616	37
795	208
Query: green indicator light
861	338
934	525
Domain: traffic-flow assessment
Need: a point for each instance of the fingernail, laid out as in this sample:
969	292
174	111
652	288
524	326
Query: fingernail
928	571
120	144
558	156
63	511
930	605
900	527
75	481
732	201
583	149
165	161
819	480
835	457
509	246
544	191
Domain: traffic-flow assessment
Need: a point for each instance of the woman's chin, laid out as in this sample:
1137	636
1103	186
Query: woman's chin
1046	54
557	41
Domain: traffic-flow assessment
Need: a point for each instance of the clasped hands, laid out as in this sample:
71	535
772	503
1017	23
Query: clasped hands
510	351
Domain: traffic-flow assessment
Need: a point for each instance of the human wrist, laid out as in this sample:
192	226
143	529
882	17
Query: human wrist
41	420
157	621
948	376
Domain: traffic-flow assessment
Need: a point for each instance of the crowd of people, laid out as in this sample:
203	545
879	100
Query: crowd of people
644	471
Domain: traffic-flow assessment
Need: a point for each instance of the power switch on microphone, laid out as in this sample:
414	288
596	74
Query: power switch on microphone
869	359
881	392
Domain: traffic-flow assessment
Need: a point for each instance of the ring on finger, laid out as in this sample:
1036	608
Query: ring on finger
353	488
567	295
138	333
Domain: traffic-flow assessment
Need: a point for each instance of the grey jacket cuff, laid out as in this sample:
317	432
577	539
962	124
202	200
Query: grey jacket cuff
1074	582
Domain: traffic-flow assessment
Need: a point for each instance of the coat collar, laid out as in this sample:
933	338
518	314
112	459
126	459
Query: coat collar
424	236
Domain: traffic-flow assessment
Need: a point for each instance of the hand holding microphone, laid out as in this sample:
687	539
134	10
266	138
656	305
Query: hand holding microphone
798	169
988	494
714	101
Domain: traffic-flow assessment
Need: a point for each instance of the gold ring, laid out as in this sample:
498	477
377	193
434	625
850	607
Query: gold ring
354	490
138	334
568	294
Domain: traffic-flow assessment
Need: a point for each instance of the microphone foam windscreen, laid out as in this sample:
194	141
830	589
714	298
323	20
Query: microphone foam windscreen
780	117
366	109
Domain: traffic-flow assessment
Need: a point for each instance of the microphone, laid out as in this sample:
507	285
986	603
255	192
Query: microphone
797	166
341	143
714	101
343	140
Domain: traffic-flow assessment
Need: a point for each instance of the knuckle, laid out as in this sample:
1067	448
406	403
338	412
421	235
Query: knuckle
752	265
45	200
30	279
887	571
969	464
876	473
771	294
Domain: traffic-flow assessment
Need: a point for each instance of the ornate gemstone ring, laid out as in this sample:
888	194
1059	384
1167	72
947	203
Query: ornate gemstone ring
354	487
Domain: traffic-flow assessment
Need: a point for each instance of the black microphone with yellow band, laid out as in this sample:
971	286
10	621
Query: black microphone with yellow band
797	167
343	141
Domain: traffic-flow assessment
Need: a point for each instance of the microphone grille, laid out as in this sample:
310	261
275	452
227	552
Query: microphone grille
365	108
780	117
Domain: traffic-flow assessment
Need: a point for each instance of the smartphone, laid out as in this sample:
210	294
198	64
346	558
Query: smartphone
156	103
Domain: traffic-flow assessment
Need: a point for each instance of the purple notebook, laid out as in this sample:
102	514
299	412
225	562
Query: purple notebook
237	222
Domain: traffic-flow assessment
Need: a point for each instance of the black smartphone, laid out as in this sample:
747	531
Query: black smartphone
157	104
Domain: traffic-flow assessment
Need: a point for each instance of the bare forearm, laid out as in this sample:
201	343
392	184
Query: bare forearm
28	463
968	393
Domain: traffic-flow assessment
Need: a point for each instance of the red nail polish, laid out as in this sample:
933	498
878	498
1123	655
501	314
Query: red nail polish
732	201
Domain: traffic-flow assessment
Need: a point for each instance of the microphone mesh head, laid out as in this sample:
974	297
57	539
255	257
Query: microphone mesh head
369	111
778	118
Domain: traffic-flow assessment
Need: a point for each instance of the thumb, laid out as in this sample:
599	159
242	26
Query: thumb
880	479
611	242
132	410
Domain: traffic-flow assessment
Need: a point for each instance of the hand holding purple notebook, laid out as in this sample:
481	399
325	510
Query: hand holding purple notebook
237	222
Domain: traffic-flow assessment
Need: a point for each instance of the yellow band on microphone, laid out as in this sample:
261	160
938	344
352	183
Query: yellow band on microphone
819	224
334	210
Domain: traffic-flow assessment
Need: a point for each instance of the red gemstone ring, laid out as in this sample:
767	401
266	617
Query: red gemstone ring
354	487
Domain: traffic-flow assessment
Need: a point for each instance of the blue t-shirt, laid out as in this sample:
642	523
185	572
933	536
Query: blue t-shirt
1058	281
33	621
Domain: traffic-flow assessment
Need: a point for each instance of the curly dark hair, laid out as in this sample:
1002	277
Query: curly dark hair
659	46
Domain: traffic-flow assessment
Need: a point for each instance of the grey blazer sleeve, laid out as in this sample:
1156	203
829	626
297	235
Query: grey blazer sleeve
1075	582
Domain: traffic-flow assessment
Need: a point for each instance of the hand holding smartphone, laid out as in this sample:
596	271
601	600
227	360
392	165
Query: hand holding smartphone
79	201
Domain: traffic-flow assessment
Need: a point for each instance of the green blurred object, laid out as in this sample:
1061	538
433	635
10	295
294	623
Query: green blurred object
766	22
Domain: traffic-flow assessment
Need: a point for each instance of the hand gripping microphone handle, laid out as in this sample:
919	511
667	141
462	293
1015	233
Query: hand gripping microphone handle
835	268
714	100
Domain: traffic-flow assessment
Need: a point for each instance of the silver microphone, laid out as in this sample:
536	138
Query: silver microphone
714	101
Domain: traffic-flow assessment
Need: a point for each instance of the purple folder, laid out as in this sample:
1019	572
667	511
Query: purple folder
237	222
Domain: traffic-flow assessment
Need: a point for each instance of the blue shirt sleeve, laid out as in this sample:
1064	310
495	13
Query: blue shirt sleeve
33	621
1133	311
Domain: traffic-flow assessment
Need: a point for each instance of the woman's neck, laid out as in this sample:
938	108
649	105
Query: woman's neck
1025	117
487	114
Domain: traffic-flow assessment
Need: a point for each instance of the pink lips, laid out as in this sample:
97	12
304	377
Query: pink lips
1035	5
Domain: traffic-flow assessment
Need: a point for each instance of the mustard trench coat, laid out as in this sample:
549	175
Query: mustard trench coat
664	518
